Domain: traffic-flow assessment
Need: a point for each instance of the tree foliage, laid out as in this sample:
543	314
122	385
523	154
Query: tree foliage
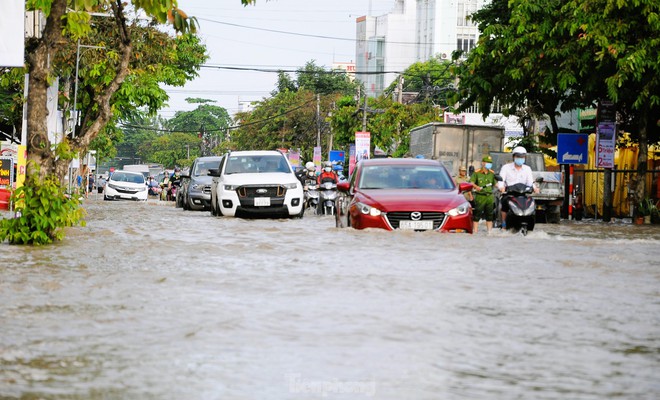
389	122
134	59
537	57
431	79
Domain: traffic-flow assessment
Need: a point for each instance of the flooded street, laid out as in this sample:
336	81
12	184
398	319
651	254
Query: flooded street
152	302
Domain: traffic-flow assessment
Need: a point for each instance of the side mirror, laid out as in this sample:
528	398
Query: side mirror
214	172
465	187
498	178
539	179
343	186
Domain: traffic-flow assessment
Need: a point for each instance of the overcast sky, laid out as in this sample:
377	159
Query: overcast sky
244	37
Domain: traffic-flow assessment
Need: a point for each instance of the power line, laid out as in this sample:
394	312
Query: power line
148	128
317	36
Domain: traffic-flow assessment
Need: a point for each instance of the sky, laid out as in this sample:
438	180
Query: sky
245	37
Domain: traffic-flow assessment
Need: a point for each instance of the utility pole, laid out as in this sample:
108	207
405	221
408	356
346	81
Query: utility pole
318	120
399	89
364	115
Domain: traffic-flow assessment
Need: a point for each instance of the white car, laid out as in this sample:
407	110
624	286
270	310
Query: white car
125	185
255	183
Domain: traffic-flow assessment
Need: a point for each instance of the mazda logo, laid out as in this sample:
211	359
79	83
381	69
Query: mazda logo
415	215
262	191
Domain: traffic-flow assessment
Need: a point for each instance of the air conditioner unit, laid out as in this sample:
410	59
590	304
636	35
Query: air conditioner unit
444	55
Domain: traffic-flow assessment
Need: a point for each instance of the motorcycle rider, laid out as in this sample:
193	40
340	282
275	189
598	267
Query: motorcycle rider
512	173
174	181
307	173
327	175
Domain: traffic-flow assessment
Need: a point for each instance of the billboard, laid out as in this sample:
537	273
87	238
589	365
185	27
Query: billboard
12	28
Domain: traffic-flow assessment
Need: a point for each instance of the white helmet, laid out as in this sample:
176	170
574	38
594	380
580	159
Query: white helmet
310	166
519	151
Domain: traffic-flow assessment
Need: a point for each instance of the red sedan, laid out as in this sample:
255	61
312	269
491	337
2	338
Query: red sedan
405	193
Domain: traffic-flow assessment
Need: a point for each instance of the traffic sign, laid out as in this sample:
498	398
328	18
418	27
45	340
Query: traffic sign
572	148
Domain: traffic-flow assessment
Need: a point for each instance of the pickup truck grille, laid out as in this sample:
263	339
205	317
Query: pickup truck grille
251	192
395	217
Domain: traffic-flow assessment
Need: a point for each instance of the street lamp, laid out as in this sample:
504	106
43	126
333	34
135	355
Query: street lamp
75	90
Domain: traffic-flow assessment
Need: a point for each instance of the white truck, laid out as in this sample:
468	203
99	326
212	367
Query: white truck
456	144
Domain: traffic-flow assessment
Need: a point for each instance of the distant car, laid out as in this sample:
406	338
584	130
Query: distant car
125	185
251	183
196	186
406	193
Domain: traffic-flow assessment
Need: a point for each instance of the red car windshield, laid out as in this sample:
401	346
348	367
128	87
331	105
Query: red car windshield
405	177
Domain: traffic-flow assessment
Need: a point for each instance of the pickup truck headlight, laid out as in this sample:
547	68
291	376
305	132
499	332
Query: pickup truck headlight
231	187
291	185
368	210
460	210
198	186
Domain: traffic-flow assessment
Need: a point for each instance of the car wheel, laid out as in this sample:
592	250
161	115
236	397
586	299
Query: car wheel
553	215
214	211
186	204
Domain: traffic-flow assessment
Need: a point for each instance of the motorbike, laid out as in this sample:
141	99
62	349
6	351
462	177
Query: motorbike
578	207
522	208
155	191
171	193
327	196
311	189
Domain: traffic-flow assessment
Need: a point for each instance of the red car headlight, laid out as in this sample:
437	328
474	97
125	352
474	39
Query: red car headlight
368	210
460	210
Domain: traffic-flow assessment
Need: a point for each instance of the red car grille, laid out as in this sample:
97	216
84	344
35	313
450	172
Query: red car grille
395	217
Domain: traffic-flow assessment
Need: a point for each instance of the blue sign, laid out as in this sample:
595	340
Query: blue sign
572	148
336	156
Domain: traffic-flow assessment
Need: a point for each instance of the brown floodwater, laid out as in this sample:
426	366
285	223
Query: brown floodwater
150	301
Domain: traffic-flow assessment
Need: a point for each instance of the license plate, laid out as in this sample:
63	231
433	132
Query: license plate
416	225
262	201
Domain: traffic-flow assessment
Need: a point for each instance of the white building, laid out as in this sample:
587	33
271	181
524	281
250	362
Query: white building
415	30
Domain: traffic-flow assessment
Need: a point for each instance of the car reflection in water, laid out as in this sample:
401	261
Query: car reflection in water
413	194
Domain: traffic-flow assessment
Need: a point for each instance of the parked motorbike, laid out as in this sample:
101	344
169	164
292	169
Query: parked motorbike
578	207
522	208
327	196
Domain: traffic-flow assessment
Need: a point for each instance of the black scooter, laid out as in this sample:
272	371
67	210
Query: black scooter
522	208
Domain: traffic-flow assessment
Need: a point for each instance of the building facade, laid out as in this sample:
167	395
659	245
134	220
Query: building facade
415	30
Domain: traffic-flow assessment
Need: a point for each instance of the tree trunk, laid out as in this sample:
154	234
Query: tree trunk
39	148
41	159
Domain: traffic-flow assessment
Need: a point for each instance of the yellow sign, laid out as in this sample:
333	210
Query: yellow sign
21	165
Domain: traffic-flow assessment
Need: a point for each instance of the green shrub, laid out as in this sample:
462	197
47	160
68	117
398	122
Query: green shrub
45	210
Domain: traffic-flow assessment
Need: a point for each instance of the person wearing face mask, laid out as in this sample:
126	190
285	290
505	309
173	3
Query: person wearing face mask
484	181
512	173
327	175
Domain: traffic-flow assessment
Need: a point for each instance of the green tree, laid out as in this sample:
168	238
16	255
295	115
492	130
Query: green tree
66	22
208	121
534	58
289	118
175	149
432	79
389	122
